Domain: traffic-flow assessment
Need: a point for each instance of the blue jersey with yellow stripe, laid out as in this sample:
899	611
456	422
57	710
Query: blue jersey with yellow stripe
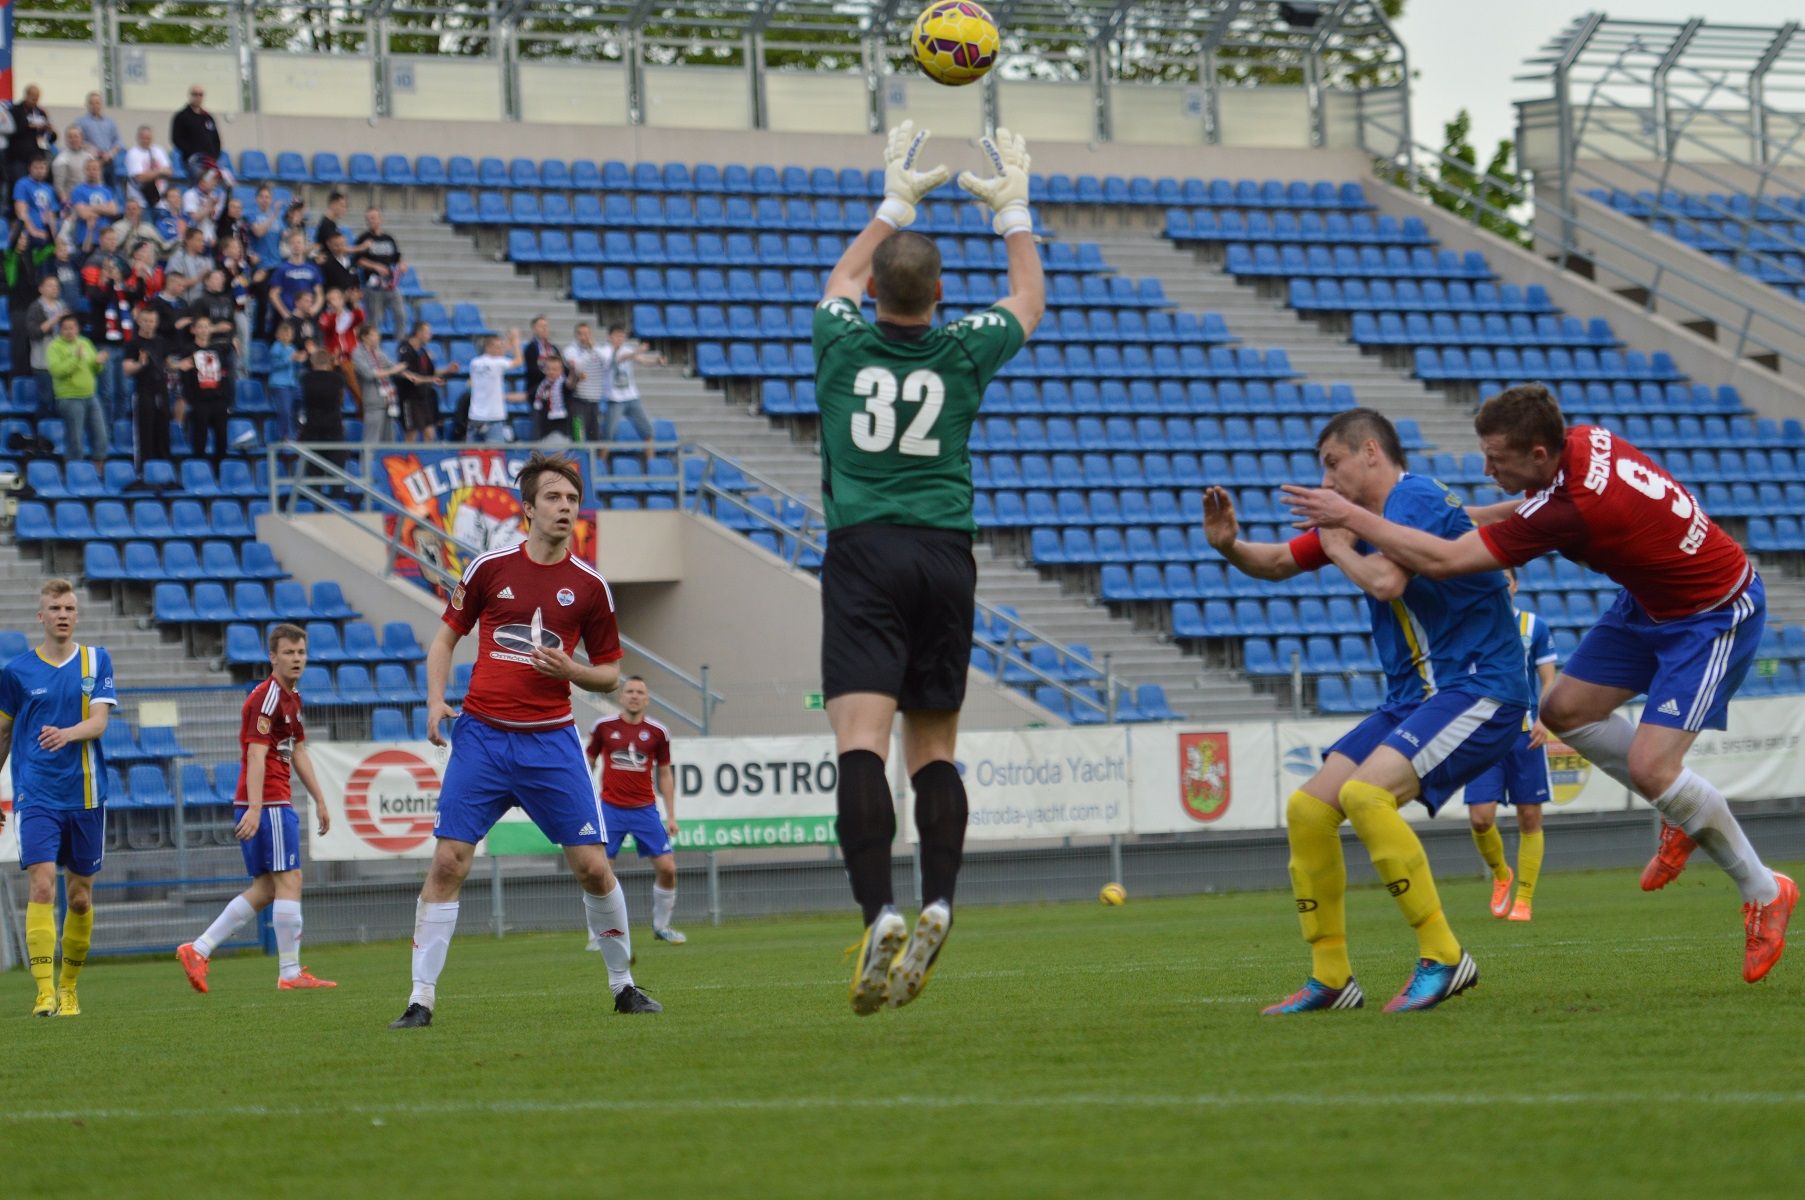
36	692
1445	635
1538	648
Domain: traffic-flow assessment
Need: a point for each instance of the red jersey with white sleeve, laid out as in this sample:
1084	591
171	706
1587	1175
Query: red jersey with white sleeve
630	753
271	717
1611	508
501	594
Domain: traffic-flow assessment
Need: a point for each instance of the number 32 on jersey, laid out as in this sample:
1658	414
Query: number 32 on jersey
874	430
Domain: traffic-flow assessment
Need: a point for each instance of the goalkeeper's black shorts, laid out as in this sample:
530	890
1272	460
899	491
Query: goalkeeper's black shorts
896	614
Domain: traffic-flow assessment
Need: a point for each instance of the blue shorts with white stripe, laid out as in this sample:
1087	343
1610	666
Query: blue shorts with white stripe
1449	738
1689	668
277	844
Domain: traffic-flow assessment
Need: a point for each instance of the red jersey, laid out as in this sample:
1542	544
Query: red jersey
271	717
630	754
1613	509
503	590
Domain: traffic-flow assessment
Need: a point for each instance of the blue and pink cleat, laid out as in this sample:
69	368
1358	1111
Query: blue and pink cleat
1433	982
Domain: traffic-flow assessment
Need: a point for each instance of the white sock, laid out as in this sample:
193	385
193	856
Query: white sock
1700	809
433	926
1606	745
224	926
285	915
664	902
607	917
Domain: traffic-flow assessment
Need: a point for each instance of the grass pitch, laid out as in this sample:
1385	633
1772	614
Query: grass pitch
1062	1050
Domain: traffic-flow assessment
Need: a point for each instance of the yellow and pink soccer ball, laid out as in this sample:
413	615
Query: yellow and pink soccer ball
956	42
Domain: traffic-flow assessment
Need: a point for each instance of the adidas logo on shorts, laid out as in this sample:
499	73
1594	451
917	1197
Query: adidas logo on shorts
588	829
1669	709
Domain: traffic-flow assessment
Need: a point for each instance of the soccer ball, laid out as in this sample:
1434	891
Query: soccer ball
1113	894
956	42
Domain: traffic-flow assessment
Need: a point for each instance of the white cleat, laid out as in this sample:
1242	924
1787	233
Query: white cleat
876	951
909	973
674	936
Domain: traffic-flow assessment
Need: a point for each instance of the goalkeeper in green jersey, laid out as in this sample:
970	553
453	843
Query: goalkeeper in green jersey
898	396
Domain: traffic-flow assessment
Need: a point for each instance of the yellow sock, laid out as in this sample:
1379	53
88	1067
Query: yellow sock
40	942
1403	866
1319	881
1529	865
1491	849
78	933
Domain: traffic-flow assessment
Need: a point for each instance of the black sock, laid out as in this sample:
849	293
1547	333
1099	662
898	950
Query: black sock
940	815
866	827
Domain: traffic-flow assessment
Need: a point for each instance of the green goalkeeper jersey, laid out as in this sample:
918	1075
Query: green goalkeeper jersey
897	411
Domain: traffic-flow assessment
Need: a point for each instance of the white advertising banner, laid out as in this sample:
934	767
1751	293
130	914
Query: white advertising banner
1042	783
1190	780
734	793
9	836
383	796
1759	756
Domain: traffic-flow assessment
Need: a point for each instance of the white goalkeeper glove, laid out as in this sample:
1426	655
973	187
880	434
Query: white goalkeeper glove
1006	191
904	186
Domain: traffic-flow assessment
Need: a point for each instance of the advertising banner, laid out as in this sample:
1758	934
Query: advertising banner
1757	758
1188	780
9	836
1039	783
383	795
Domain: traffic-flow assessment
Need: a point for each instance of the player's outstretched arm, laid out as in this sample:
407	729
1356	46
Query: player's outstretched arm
438	678
904	186
304	769
1005	191
1262	560
1491	514
1373	574
1417	551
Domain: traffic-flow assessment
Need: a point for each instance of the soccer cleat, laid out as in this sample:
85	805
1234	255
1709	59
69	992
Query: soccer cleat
1501	892
1317	996
1669	860
910	971
66	1003
1433	982
631	1000
45	1006
673	936
1765	925
305	979
417	1016
877	949
195	963
1520	911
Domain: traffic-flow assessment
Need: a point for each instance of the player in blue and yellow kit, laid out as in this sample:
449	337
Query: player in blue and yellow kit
1455	701
1519	779
60	695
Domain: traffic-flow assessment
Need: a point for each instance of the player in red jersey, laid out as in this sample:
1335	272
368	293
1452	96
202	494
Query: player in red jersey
635	751
271	745
517	740
1683	630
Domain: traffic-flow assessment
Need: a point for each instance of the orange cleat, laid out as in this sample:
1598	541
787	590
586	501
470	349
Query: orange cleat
1669	860
1520	911
1765	925
304	980
1501	892
195	963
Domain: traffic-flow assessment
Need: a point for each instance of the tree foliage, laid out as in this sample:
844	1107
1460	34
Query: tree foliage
1482	197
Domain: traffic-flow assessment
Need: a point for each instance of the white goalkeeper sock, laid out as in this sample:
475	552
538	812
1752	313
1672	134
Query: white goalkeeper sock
1606	745
285	915
664	902
227	923
1696	806
607	917
433	927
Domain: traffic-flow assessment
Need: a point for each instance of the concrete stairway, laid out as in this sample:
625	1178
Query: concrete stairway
443	259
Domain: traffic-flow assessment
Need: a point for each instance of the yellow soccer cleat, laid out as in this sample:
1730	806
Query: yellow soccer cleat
45	1006
910	972
66	1003
877	950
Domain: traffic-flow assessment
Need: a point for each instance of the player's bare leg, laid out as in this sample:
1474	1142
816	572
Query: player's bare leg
866	827
435	919
929	737
605	909
664	899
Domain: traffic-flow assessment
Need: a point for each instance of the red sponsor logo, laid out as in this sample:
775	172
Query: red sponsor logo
391	800
1204	786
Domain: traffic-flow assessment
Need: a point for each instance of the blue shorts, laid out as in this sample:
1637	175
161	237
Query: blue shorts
644	823
72	838
1520	777
1688	668
1448	738
277	845
491	770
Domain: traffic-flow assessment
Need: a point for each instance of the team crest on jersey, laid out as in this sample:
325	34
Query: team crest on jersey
457	597
263	725
87	685
566	597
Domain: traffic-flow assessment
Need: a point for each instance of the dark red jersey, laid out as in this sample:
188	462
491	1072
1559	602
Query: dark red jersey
271	717
630	755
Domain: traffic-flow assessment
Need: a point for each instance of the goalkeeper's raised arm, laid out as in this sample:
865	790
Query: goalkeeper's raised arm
1006	192
904	186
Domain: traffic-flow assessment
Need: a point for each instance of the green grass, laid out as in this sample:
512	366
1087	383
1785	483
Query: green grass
1062	1050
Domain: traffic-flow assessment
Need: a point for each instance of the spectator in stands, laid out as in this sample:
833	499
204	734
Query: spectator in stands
192	261
551	402
146	364
263	230
378	259
337	268
102	137
207	384
283	384
110	329
229	254
40	323
92	208
338	323
376	376
33	136
194	135
143	272
297	275
589	381
68	273
106	250
74	363
148	168
333	222
35	204
231	224
172	304
537	351
620	356
323	403
489	396
69	168
23	267
418	384
305	324
204	204
135	228
214	301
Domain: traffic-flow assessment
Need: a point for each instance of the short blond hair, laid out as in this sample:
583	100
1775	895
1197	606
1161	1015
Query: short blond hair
55	587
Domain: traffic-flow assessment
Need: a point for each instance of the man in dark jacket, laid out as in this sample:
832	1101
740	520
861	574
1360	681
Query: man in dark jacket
193	135
146	364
